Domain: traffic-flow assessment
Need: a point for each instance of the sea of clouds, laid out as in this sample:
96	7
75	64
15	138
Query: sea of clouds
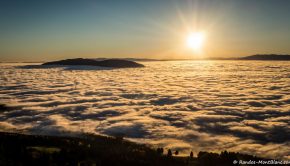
241	106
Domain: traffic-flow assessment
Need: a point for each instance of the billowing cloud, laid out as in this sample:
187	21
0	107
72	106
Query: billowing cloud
185	106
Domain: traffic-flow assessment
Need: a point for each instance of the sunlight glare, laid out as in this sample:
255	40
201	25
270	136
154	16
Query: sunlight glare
195	40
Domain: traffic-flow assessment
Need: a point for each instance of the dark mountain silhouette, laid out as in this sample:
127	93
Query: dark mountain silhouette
115	63
267	57
89	149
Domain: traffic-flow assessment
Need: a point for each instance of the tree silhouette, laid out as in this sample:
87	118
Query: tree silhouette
176	152
169	153
160	151
191	154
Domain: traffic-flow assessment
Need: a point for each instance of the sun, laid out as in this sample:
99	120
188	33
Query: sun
195	40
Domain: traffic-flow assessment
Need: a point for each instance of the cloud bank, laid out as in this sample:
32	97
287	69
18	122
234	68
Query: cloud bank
189	105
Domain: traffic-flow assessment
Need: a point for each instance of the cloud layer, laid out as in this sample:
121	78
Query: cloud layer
189	105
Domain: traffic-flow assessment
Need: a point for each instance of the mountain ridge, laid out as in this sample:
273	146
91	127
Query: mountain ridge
114	63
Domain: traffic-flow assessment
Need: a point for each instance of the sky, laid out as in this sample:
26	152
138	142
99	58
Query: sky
34	30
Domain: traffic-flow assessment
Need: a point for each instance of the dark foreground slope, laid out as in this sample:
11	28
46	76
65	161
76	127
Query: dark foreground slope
267	57
114	63
21	149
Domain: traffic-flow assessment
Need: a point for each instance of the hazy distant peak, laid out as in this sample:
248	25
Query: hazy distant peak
267	57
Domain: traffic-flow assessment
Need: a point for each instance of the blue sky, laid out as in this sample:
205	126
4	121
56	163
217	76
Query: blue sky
33	30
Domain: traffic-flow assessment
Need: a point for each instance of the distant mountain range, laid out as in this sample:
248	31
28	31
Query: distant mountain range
129	59
272	57
268	57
